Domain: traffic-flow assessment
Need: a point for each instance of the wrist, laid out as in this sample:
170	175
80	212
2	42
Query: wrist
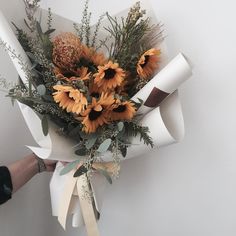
32	163
39	164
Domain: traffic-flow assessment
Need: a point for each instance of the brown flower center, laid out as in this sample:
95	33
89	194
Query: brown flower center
109	73
83	62
147	57
120	108
93	115
68	74
95	95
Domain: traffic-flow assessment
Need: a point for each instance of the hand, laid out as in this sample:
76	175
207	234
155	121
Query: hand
44	164
50	165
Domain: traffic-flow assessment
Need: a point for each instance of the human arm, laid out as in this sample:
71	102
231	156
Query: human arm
23	170
15	175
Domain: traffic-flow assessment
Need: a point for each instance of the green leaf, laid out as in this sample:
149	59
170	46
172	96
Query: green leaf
34	65
105	174
121	133
49	31
31	56
140	101
104	146
48	98
39	29
90	142
138	104
120	126
123	150
69	167
13	101
82	134
20	82
44	123
82	170
75	131
41	89
81	151
133	129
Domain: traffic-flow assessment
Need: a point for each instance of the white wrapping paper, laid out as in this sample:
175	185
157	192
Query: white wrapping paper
165	122
176	72
7	35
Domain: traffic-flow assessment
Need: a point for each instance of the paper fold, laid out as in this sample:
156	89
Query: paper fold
176	72
7	36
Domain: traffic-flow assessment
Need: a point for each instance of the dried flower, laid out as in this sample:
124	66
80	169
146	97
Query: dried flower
67	50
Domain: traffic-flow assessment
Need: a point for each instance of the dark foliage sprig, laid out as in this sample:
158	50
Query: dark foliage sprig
23	38
97	27
132	129
84	30
31	7
49	21
127	35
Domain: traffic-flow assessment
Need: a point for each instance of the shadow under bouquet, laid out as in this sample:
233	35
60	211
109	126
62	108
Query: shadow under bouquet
93	96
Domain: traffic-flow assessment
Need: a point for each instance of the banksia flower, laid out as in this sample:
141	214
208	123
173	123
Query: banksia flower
67	50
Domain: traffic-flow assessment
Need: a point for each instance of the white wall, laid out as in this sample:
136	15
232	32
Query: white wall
188	189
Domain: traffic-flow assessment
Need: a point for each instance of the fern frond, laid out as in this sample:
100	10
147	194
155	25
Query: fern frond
132	130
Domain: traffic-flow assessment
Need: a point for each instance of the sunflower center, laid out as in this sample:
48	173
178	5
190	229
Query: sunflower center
95	95
93	115
83	62
145	61
120	108
109	73
68	74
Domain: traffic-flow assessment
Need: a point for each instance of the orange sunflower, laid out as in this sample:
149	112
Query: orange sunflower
96	114
94	91
148	63
109	76
122	110
70	99
93	57
69	76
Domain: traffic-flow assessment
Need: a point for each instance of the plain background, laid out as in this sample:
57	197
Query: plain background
187	189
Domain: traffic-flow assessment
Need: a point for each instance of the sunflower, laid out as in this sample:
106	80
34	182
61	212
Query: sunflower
90	59
69	76
148	63
93	57
122	89
70	99
109	76
122	110
94	91
96	114
67	50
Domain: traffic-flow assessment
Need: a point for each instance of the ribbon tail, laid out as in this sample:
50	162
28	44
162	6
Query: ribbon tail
86	204
66	199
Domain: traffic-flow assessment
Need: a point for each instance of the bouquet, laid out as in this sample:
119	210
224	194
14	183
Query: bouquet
93	96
